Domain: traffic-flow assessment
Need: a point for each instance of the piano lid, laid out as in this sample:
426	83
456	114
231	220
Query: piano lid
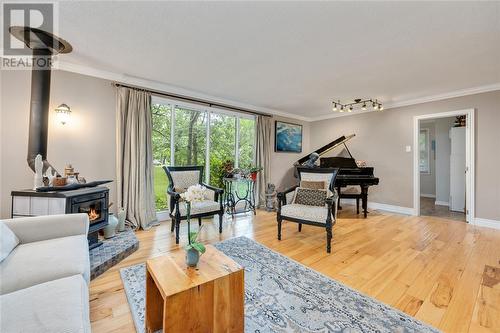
326	148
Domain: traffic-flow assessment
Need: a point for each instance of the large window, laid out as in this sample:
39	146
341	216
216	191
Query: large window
222	145
191	135
423	143
161	116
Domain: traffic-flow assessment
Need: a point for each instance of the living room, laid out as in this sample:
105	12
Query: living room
246	166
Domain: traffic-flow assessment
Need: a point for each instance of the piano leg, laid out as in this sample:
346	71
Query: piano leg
300	227
279	229
357	205
364	198
339	207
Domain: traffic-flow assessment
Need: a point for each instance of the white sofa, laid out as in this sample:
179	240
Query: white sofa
44	279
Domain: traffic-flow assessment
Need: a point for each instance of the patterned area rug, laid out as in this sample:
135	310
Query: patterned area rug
282	295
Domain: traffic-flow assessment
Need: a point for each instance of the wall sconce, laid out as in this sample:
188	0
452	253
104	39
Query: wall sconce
63	112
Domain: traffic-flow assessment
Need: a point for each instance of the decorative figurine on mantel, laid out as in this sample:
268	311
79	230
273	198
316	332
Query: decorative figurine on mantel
38	178
48	177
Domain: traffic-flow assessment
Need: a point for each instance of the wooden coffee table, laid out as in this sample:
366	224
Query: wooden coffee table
209	298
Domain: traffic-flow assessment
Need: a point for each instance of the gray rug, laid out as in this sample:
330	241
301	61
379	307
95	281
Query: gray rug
112	251
282	295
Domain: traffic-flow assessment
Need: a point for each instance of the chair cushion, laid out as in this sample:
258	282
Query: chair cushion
305	212
310	197
314	185
315	176
201	207
39	262
8	241
61	305
186	178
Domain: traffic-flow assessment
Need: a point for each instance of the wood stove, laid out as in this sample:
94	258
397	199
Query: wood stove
93	201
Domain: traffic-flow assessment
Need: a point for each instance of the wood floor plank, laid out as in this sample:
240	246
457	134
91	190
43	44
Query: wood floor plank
441	271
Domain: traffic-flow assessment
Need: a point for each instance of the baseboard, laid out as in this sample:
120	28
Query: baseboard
163	216
441	203
427	195
381	206
494	224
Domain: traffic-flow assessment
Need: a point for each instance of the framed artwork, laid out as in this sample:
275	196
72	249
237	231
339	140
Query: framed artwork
288	137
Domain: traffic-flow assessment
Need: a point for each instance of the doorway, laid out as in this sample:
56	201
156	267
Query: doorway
443	165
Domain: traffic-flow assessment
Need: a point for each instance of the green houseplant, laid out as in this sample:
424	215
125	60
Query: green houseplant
254	171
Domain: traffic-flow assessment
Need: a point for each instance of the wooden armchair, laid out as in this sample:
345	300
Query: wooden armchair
180	179
323	215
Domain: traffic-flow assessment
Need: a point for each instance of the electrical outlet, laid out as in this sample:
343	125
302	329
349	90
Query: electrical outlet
408	149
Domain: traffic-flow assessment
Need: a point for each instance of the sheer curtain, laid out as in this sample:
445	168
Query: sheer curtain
135	157
263	156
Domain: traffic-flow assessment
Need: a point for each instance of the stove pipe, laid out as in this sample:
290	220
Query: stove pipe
44	46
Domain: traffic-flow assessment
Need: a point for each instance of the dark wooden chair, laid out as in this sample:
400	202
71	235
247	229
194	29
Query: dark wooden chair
180	179
318	216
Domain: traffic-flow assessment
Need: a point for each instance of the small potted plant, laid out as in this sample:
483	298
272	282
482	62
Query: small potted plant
194	249
227	167
254	171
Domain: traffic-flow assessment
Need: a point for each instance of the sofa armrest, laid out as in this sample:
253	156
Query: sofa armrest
38	228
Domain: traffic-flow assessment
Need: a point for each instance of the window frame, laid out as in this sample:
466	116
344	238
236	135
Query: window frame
209	110
427	170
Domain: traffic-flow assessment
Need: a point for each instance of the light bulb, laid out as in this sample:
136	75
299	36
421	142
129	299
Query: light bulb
334	106
363	107
63	113
380	107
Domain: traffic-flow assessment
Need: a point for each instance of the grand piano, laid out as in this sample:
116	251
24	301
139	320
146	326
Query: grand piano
349	173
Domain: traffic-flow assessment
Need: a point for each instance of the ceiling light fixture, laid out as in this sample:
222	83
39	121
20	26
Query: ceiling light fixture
349	107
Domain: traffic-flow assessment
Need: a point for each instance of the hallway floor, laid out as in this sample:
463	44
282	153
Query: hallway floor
428	208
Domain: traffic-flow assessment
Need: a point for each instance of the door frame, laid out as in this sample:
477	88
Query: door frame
469	159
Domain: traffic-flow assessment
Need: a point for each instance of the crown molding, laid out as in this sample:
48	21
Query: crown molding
156	85
159	86
420	100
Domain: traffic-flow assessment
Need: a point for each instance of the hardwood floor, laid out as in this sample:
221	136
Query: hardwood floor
429	208
444	273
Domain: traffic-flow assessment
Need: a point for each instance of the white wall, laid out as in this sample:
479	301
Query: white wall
428	180
381	138
443	150
87	142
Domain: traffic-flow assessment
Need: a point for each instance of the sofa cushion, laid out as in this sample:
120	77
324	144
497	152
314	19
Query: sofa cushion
43	261
305	212
61	306
8	241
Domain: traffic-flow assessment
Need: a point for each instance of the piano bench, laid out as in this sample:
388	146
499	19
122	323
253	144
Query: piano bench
356	196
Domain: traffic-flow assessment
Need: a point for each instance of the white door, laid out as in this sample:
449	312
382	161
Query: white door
457	169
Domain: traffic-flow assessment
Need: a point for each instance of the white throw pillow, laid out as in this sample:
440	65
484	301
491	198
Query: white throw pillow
8	241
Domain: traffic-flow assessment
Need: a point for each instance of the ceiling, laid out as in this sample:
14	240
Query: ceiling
293	57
